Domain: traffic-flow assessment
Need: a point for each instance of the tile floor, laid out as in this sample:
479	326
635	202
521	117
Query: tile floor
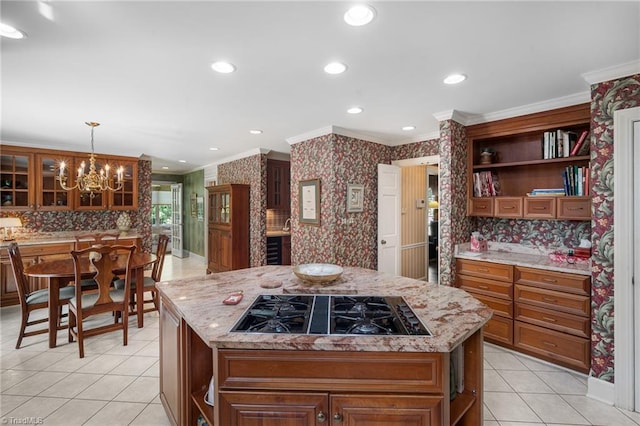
118	385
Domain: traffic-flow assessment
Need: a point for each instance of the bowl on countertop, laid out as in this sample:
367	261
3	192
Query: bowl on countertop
318	272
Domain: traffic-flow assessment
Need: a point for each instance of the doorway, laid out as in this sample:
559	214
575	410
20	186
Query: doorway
161	213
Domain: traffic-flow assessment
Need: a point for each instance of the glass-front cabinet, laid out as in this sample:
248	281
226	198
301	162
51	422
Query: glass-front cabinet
219	207
126	198
50	195
16	180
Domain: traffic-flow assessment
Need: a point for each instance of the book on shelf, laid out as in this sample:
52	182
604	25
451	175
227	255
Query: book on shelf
485	184
581	147
558	144
576	180
546	192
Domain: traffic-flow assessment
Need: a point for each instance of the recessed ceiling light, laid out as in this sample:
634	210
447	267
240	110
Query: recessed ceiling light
223	67
11	32
355	110
455	79
407	128
359	15
165	168
335	68
182	161
213	149
255	132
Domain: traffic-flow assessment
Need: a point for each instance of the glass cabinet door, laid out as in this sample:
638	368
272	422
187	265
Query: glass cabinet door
50	195
126	198
214	211
225	208
16	191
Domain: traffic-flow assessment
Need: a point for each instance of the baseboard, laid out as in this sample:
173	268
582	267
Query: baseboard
601	390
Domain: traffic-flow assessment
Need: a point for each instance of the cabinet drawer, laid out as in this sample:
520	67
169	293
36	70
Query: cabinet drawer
560	347
508	207
540	207
495	271
574	208
558	321
45	249
500	307
554	300
481	207
500	289
578	284
499	329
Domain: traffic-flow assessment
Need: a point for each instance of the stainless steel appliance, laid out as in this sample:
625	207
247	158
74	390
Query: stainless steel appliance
330	314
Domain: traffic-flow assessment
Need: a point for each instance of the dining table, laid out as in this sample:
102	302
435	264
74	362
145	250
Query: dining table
61	272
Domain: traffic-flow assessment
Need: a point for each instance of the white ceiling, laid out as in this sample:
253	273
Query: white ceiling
142	69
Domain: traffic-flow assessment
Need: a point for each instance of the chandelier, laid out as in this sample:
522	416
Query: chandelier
93	181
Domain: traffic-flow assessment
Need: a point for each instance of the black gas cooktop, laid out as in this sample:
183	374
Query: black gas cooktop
330	314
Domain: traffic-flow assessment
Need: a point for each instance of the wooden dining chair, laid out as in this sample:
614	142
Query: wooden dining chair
94	239
149	283
33	300
106	299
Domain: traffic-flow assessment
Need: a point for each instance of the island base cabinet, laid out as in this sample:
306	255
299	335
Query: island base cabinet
170	367
366	410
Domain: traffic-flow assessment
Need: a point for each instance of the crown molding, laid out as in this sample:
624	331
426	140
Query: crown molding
613	72
417	138
452	114
250	153
333	130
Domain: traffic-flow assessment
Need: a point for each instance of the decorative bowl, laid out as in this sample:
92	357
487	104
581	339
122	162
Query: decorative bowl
318	272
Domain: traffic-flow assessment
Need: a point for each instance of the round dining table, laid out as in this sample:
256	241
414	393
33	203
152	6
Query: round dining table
61	272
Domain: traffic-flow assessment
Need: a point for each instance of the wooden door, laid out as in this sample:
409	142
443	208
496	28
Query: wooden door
273	408
226	251
49	194
213	264
385	410
170	367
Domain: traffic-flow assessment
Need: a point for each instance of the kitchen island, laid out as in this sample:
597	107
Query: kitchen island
317	379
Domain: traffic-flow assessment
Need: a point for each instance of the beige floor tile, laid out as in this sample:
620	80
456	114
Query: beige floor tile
504	361
74	412
486	414
524	381
71	386
34	411
145	333
152	349
107	387
493	382
143	389
116	414
552	409
525	424
598	413
134	366
536	364
11	402
9	378
632	415
11	359
490	423
42	361
152	415
562	382
103	364
506	406
153	371
35	384
486	365
72	362
132	347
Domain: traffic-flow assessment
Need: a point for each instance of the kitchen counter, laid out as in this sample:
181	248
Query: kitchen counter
451	314
516	254
39	238
278	233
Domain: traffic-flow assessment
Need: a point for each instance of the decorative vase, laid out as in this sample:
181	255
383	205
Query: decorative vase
123	222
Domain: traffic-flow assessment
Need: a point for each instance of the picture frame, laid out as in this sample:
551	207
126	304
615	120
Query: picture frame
194	205
355	198
200	208
309	196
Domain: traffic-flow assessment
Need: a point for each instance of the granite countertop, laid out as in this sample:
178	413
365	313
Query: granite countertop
451	314
516	254
37	238
277	233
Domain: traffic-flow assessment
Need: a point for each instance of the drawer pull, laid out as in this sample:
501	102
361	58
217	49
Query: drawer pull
549	299
483	270
549	280
481	207
575	208
553	345
549	319
484	287
509	207
539	208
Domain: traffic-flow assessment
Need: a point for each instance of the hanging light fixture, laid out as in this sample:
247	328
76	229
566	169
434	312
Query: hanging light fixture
93	181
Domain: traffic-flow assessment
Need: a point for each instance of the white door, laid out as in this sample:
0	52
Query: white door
176	220
389	192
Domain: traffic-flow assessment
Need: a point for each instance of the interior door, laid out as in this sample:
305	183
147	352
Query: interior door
389	193
176	220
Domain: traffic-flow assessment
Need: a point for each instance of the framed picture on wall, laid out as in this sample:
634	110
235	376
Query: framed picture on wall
200	208
355	198
309	195
194	205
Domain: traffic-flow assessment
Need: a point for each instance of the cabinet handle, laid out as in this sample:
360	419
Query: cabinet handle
575	208
549	280
484	287
548	319
553	345
539	208
383	242
549	299
509	207
481	207
321	417
337	417
483	270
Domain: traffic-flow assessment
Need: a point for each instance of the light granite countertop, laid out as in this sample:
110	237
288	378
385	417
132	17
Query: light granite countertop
451	314
532	257
38	238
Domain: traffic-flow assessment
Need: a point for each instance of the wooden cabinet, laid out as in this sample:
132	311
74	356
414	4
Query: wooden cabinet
228	221
542	313
278	185
519	166
29	181
171	371
279	250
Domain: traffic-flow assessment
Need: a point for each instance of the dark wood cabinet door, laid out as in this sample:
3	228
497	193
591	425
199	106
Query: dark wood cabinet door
273	409
213	264
170	367
396	410
278	185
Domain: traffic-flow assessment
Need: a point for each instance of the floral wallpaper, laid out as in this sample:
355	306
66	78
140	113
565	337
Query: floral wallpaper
416	149
252	171
534	233
606	98
98	220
